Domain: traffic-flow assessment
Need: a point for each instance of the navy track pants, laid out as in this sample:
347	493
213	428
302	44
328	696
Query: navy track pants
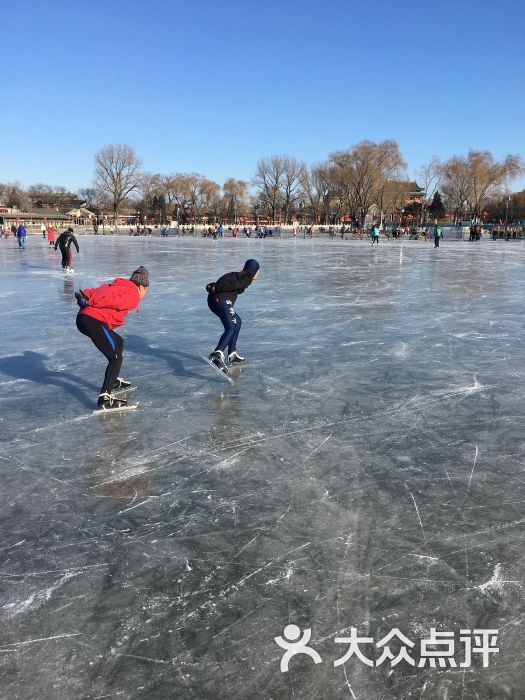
230	320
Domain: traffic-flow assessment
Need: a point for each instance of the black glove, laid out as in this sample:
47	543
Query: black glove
210	288
82	299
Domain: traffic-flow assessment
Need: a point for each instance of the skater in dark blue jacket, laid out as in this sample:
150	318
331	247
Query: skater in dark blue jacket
21	235
222	295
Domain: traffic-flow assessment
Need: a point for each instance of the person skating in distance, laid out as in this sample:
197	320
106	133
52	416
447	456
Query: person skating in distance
102	309
222	295
21	235
64	241
438	233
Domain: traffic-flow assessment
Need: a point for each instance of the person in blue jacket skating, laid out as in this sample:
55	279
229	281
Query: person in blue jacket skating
21	234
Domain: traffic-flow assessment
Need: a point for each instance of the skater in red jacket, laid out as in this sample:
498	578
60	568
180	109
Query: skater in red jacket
102	309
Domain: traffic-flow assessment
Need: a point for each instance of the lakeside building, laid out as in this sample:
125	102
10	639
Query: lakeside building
34	218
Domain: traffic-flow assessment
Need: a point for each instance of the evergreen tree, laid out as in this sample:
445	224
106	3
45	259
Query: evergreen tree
437	209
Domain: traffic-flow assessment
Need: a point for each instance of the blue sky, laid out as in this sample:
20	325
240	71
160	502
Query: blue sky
212	87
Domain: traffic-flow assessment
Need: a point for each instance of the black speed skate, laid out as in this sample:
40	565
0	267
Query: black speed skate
110	402
217	358
122	387
235	359
121	384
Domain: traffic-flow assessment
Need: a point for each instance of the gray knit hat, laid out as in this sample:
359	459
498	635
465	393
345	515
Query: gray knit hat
140	276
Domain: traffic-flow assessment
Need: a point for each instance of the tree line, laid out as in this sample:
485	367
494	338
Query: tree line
349	185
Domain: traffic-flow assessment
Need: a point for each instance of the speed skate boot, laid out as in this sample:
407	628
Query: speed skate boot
217	357
109	402
121	384
235	359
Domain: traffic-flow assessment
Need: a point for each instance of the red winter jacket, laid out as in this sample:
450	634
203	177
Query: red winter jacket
110	303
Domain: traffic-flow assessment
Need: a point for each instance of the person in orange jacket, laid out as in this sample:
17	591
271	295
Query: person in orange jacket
102	309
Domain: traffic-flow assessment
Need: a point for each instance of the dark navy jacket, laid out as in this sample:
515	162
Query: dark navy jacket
230	285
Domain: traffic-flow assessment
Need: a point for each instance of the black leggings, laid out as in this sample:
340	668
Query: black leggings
67	257
110	344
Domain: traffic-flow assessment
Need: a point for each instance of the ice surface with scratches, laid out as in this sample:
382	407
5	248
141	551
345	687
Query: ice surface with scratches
363	468
497	584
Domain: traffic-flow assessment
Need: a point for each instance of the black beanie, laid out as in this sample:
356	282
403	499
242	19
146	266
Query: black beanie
251	266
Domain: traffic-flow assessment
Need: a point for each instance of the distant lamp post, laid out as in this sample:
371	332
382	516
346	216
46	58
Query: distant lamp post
256	209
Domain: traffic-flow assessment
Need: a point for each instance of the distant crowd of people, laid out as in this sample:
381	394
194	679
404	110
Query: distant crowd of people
345	232
63	241
475	233
19	232
507	234
218	231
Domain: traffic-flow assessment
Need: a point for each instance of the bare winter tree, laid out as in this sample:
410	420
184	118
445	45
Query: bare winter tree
178	192
183	195
468	182
507	208
117	174
430	178
364	171
209	199
12	194
293	175
278	181
58	196
194	195
318	191
153	202
455	185
90	196
41	194
268	181
234	197
150	185
175	191
390	166
343	198
393	196
489	177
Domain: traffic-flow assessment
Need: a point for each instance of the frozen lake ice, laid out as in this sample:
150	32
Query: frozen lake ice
364	469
